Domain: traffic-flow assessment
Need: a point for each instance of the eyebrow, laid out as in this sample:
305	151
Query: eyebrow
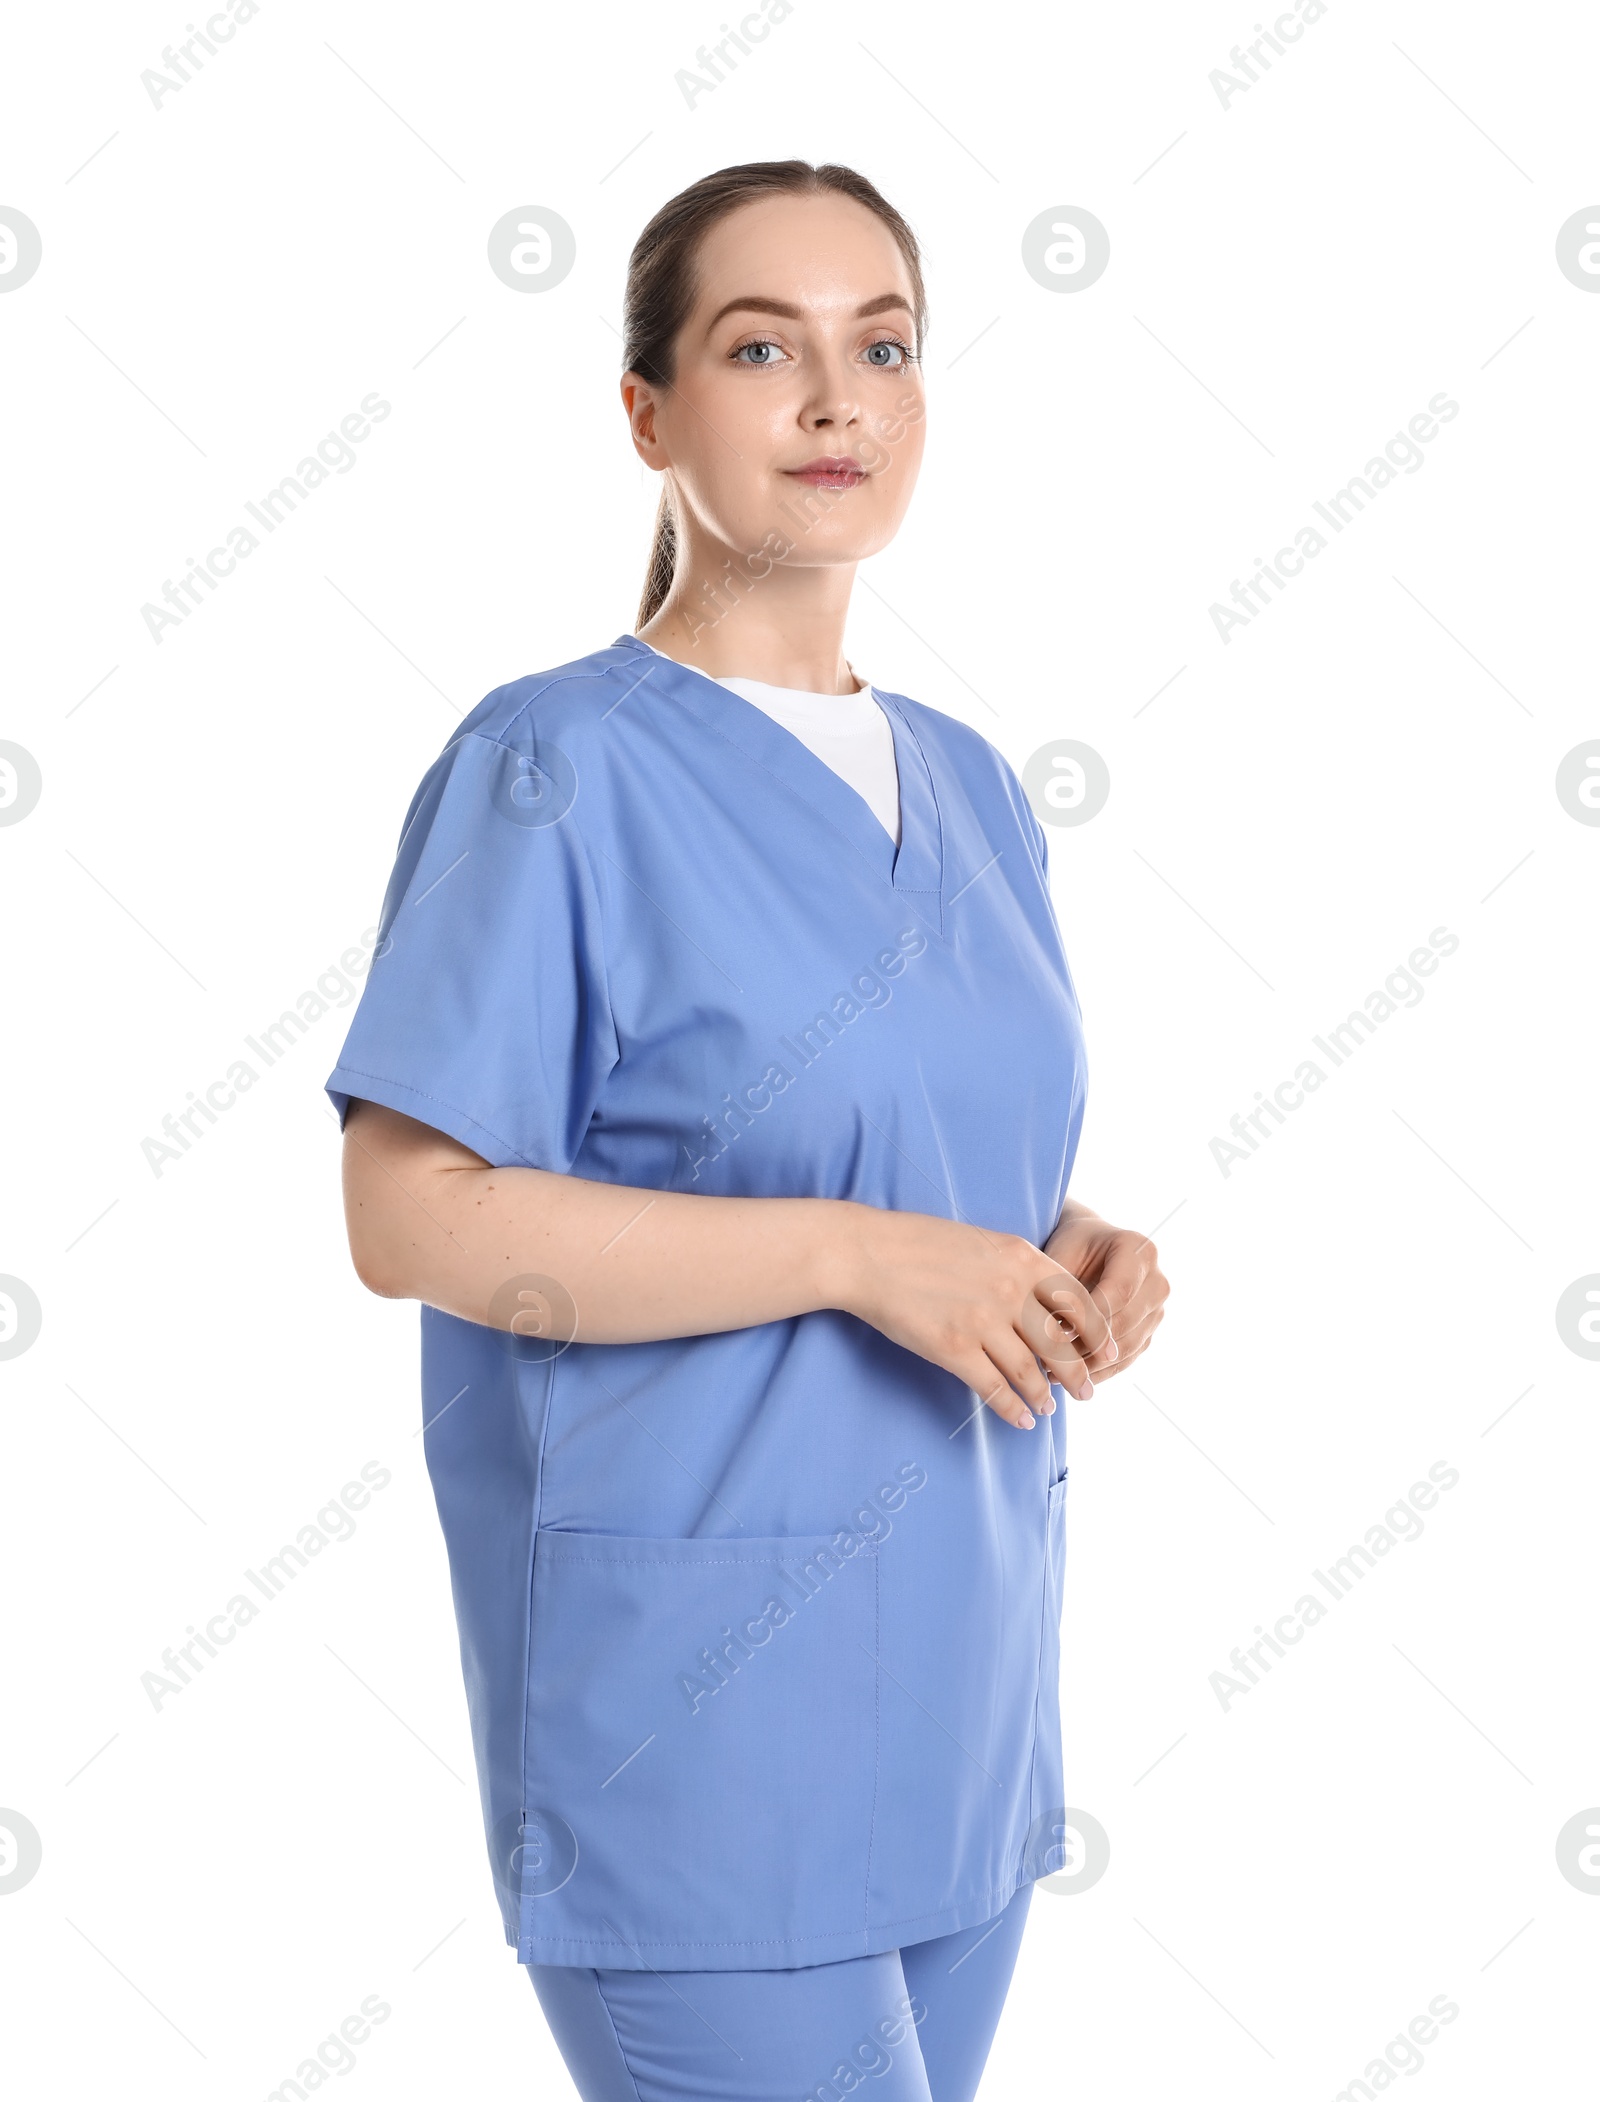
884	303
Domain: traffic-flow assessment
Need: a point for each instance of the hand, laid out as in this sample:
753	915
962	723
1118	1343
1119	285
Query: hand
1119	1269
988	1307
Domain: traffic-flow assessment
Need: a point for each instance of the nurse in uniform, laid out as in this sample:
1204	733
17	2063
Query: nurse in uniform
715	1088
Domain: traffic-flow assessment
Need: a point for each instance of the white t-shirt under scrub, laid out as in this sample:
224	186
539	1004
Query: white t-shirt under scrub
847	731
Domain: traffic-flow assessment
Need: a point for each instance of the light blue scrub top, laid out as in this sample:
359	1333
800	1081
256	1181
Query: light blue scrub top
760	1630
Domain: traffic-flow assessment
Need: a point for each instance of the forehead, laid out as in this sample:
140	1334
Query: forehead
818	252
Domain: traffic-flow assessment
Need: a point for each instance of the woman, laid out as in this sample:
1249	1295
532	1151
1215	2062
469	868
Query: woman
715	1088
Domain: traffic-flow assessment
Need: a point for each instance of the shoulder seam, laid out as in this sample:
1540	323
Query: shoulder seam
548	681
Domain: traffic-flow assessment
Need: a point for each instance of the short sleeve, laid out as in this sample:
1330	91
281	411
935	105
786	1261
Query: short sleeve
485	1012
1022	810
1041	841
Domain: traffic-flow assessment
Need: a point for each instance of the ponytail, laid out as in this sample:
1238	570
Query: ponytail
663	560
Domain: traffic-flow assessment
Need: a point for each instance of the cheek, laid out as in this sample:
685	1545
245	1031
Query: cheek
899	435
727	465
895	467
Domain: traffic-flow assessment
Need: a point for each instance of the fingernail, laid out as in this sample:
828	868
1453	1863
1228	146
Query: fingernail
1086	1391
1025	1420
1111	1348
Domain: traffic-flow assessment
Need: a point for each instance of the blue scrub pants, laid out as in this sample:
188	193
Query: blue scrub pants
914	2024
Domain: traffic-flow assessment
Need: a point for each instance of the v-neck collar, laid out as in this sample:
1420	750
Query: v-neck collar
916	867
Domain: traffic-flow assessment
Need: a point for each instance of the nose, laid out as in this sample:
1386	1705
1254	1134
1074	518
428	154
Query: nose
835	412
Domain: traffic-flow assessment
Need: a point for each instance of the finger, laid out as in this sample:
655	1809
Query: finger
1108	1353
1129	1261
994	1391
1142	1308
1127	1327
1071	1304
1141	1322
1012	1357
1129	1357
1140	1331
1134	1344
1050	1341
1129	1343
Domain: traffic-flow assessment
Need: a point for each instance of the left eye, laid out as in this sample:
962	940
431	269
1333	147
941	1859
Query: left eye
888	344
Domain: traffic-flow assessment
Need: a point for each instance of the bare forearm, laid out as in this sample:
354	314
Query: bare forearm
430	1220
637	1264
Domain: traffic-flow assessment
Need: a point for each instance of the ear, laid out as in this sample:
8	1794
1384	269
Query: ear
640	401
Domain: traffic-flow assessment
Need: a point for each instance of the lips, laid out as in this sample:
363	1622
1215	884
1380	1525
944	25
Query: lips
829	473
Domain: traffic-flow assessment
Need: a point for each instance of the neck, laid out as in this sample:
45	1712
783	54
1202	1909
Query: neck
786	628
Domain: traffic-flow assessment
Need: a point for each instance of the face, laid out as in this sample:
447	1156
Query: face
795	408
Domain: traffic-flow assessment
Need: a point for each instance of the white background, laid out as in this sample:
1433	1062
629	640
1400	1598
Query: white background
1374	756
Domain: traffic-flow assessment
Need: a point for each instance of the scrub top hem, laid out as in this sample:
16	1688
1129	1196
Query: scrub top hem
796	1952
348	1083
